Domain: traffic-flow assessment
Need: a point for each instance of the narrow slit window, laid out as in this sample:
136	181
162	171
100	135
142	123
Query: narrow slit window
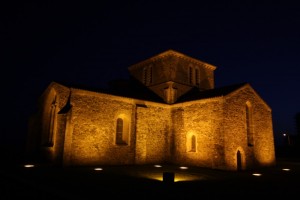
119	133
150	75
193	143
197	78
48	140
191	75
249	124
145	76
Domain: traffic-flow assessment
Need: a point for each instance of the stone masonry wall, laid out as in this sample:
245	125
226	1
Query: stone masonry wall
58	95
202	119
159	133
262	151
152	133
94	126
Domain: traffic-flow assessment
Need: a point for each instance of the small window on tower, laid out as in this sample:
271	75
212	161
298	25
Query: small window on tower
150	74
197	76
191	75
145	76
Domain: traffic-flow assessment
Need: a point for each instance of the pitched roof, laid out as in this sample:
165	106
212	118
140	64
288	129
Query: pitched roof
132	88
195	93
171	53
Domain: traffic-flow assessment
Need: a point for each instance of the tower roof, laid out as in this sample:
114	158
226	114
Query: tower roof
171	53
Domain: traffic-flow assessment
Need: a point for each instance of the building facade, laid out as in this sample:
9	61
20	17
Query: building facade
168	112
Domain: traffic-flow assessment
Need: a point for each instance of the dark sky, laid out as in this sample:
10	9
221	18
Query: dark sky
88	43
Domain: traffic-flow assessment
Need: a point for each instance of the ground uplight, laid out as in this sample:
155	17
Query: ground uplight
28	165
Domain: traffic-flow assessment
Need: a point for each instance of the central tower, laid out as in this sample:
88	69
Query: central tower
172	74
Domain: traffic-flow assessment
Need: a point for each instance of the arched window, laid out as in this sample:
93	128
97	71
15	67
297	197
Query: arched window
249	125
197	76
150	74
122	130
119	133
147	75
194	75
191	75
50	123
193	143
238	160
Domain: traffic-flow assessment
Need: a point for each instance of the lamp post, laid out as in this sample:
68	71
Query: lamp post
287	136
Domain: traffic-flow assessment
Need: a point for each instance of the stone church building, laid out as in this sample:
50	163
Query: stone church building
167	112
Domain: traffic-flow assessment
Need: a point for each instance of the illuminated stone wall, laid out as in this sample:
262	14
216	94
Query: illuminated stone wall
231	131
94	126
203	120
262	153
173	68
55	98
85	133
152	133
94	119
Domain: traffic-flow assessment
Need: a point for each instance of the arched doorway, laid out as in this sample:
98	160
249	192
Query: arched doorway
239	161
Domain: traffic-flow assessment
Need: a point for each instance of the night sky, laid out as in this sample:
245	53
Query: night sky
88	44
